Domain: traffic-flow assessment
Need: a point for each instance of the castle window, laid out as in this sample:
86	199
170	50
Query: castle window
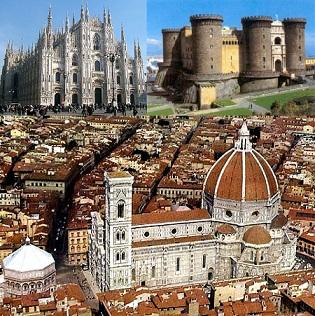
118	79
131	80
204	261
96	42
300	58
75	78
177	264
57	76
277	40
121	209
97	65
74	60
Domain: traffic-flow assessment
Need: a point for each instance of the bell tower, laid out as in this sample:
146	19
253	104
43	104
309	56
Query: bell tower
118	217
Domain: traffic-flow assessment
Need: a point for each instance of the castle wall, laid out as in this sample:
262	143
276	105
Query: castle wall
295	44
207	44
257	40
259	84
231	52
171	46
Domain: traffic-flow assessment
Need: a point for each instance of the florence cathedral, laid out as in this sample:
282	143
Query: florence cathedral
240	231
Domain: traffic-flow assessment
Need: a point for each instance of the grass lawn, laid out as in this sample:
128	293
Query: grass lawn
163	112
282	97
233	112
225	102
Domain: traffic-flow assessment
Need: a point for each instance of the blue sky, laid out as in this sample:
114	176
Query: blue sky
21	20
176	13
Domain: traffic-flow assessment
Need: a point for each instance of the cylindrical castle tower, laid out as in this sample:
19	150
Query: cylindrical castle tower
171	46
295	44
207	43
257	43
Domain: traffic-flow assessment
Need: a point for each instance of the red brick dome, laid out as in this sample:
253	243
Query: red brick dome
257	235
241	174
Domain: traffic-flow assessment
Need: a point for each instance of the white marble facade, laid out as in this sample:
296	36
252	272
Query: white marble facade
72	65
163	250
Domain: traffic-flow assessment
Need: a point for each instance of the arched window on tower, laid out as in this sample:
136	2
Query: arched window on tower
117	256
57	76
277	41
75	78
123	256
131	79
118	79
74	60
96	42
120	209
97	65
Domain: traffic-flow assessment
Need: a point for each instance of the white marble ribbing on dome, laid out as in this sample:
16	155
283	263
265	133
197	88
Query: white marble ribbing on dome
28	258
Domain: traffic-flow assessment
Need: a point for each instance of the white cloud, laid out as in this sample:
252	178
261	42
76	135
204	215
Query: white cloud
153	42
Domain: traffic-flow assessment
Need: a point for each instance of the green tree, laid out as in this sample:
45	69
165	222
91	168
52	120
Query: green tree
275	108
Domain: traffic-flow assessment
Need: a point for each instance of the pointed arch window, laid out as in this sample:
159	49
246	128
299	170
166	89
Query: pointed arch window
131	79
97	65
96	42
121	209
74	60
75	78
58	76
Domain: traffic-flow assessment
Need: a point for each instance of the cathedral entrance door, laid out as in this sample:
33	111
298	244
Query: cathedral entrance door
75	99
57	99
278	65
98	96
132	99
119	99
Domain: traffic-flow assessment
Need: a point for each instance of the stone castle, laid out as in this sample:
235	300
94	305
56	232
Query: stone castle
206	61
81	63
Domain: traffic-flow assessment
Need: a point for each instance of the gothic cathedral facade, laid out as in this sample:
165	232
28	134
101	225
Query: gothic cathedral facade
82	63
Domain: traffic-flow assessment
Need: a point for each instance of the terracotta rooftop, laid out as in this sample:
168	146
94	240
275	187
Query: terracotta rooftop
240	176
257	235
169	216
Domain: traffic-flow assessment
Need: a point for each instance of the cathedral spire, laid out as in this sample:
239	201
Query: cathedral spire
139	50
104	17
122	36
82	12
49	24
109	18
86	12
243	142
135	50
67	24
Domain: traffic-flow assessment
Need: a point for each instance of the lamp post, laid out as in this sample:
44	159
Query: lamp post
112	56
